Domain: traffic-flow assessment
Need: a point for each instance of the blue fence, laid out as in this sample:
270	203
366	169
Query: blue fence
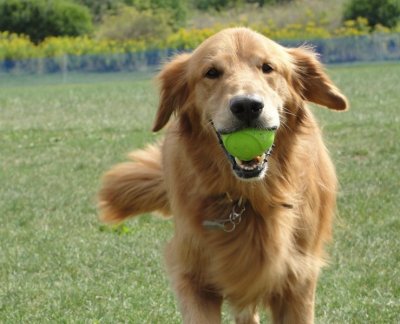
376	47
369	48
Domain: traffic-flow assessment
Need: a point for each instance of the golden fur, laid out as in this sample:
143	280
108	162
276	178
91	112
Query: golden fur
274	255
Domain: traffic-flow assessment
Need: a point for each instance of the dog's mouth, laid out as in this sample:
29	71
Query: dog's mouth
252	169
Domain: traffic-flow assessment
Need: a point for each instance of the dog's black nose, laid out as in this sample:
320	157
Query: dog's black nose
246	108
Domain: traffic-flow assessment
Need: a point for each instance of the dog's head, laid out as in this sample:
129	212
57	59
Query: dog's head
240	79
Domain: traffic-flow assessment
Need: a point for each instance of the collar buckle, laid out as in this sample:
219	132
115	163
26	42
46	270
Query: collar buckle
228	224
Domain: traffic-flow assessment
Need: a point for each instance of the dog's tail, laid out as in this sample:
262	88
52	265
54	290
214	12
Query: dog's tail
134	187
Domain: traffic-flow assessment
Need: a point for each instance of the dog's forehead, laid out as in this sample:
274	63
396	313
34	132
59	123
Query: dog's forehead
238	44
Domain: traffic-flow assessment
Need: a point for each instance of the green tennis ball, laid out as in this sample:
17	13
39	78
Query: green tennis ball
248	143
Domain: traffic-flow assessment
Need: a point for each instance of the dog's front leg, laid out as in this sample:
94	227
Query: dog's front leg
198	307
296	306
248	316
198	303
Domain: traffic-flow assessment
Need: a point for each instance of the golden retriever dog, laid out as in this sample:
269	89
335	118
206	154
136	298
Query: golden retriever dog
247	232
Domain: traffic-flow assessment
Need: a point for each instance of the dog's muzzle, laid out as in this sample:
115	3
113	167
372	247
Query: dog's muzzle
249	170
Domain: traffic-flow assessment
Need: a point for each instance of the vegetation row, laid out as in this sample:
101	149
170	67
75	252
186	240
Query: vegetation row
20	47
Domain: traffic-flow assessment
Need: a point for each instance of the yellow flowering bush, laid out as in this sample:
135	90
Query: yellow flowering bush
17	47
187	39
356	27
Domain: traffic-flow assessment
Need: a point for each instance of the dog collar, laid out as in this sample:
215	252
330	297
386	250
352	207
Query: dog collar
227	224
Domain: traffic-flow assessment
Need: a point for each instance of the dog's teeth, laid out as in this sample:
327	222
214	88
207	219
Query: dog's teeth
251	165
259	158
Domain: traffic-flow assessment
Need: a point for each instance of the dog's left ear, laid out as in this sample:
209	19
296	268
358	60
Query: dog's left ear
313	83
174	89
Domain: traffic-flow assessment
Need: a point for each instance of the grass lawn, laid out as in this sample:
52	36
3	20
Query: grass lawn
57	264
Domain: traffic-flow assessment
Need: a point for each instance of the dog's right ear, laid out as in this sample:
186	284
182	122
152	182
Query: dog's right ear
174	89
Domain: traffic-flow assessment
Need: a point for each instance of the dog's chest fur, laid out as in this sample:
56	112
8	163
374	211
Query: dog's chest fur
256	260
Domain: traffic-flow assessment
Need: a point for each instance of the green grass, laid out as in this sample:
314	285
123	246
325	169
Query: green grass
57	264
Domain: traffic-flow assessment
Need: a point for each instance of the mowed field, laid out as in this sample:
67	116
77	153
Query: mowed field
58	264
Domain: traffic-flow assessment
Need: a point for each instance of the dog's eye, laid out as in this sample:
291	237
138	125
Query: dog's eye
213	73
266	68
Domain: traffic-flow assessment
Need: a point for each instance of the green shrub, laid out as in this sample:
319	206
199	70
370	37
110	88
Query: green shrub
207	4
100	8
175	10
129	23
378	12
220	4
41	18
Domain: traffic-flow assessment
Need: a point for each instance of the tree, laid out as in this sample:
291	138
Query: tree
41	18
383	12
